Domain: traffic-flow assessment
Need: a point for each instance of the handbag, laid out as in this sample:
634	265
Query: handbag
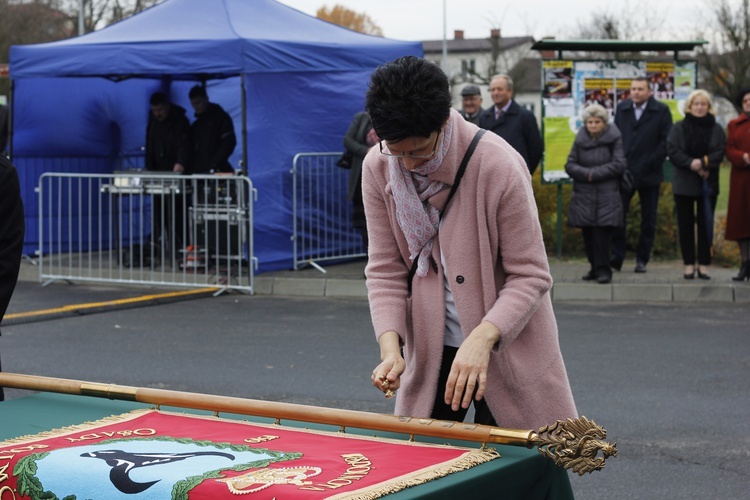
626	182
346	160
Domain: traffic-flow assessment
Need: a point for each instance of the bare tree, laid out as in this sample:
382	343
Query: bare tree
37	21
100	13
635	21
340	15
726	59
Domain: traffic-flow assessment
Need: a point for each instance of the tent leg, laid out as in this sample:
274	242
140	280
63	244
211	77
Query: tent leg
243	100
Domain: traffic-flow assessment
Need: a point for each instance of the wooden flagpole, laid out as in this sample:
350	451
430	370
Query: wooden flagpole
559	442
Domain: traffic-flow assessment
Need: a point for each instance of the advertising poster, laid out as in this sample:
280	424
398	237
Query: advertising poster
558	79
600	91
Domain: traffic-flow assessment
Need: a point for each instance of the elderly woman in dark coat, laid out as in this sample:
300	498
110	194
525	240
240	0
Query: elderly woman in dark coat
596	163
696	148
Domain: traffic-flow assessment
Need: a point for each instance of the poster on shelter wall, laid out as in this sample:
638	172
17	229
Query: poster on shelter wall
558	79
605	82
600	91
661	79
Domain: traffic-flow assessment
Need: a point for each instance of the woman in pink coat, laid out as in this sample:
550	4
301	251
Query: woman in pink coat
478	324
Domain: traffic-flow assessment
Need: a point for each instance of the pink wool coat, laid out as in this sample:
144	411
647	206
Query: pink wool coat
498	271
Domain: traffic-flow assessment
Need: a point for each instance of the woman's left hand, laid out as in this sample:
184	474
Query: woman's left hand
469	370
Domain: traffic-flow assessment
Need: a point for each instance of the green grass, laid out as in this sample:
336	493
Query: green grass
721	203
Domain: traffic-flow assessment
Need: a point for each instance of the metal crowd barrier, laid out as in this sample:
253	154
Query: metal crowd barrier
322	215
146	228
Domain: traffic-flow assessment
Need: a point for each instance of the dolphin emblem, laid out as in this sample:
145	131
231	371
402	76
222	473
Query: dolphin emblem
123	462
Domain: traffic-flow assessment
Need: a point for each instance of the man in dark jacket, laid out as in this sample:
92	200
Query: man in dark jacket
167	136
11	234
512	122
167	150
4	126
212	135
644	123
471	104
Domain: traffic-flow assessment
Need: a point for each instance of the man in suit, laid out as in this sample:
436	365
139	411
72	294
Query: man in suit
644	123
11	234
471	104
512	122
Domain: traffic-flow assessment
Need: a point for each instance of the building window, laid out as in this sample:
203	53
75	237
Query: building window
468	68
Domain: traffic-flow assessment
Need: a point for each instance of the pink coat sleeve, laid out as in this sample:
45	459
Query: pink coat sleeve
386	270
522	256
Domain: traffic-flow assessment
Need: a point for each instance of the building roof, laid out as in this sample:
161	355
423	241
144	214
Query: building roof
473	44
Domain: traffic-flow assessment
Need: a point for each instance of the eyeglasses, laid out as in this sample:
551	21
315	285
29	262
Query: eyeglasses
434	150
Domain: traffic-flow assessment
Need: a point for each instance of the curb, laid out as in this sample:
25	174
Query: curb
564	289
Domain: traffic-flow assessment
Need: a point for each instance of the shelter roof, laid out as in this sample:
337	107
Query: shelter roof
617	45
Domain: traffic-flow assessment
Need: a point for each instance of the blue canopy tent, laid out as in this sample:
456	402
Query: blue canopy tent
291	82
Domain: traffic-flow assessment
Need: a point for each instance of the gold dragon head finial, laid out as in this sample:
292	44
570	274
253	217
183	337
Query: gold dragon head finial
575	444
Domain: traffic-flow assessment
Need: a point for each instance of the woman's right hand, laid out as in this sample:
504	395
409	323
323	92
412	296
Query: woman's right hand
696	165
387	375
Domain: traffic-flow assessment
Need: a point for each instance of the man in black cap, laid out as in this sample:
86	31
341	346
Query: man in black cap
471	103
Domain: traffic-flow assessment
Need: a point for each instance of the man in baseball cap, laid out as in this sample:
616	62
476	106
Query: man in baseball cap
471	103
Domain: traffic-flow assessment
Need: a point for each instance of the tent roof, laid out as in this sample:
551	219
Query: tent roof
214	38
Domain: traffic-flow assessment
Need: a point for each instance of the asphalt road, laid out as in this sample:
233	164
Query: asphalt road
668	382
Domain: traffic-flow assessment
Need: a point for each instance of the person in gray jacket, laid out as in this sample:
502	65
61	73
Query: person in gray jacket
596	163
696	149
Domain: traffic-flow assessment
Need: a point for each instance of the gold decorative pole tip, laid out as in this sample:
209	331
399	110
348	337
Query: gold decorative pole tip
575	444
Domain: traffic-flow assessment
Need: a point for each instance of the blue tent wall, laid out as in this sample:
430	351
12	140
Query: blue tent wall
305	79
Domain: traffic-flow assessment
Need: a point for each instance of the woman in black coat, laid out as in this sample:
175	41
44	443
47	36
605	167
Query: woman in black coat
359	139
596	163
696	148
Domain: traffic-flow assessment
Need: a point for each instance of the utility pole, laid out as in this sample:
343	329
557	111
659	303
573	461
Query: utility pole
445	42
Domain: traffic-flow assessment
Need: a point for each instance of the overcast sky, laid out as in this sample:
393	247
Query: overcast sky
423	19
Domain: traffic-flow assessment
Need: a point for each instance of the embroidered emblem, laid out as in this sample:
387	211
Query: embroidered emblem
242	484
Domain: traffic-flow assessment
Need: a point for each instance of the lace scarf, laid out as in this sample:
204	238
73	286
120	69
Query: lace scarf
418	219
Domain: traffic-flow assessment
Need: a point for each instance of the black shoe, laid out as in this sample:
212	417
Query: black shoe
615	264
640	267
591	276
689	276
704	276
744	273
604	279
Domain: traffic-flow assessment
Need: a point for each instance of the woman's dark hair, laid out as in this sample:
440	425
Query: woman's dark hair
408	97
741	95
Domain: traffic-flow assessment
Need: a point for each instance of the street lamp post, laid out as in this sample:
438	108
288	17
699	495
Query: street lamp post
445	43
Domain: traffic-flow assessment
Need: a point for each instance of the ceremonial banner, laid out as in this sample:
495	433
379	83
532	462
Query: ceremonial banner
160	455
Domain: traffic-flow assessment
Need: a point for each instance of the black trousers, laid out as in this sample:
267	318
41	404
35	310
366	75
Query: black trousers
649	198
168	224
691	212
442	411
597	241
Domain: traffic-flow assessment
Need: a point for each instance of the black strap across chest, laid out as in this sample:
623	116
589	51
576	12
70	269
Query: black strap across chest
454	187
